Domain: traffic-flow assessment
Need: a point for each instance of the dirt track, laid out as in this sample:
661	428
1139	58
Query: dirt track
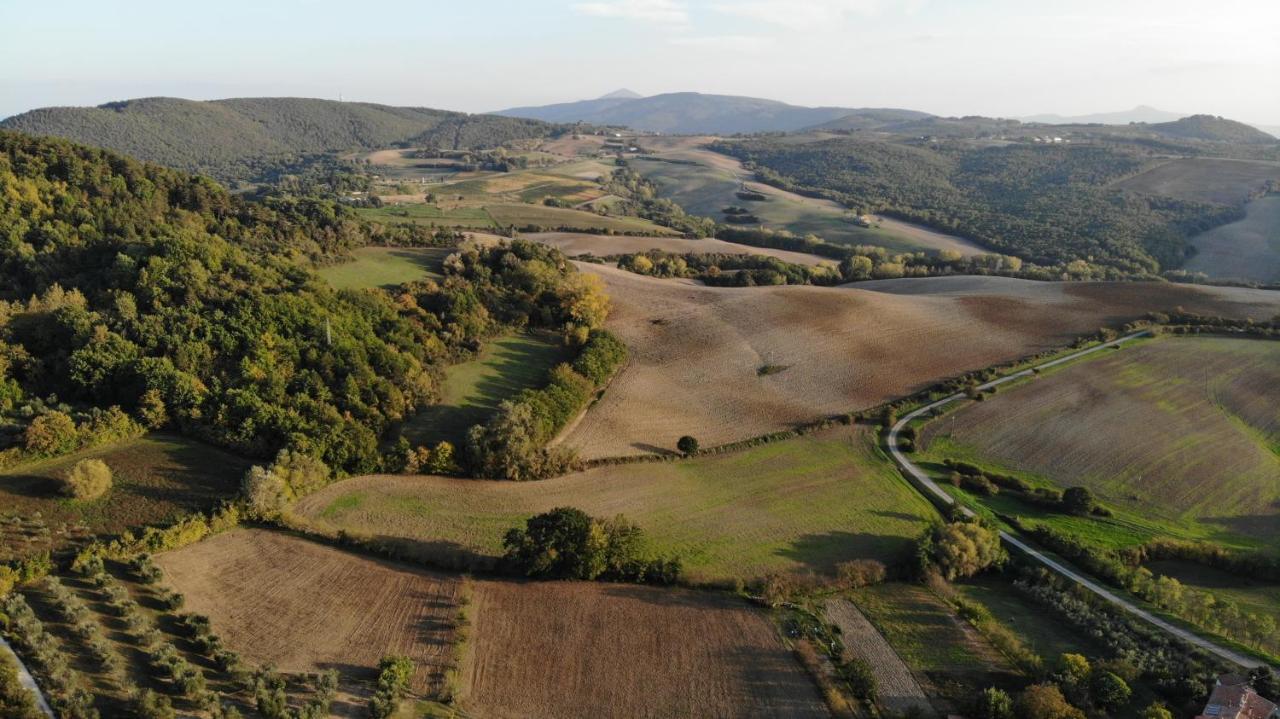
696	351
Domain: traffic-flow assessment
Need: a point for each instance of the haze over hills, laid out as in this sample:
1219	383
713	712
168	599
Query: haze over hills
697	113
1141	113
246	138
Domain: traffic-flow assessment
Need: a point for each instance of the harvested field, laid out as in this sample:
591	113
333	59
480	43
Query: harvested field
555	649
156	480
1204	179
696	351
559	649
899	692
308	607
602	245
1180	428
806	503
1246	250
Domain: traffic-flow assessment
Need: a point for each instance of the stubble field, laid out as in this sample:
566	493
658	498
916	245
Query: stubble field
697	352
1204	179
1246	250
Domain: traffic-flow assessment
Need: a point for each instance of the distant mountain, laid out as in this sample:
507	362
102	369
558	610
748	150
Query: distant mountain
1141	113
622	94
696	113
909	122
249	138
1214	129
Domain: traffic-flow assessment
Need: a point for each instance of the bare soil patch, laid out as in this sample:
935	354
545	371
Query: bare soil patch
696	351
1205	179
596	650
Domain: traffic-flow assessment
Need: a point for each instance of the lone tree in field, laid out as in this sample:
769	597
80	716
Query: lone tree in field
88	479
1078	500
567	543
960	549
687	445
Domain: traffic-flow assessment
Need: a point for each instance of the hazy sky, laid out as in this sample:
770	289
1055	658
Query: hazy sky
953	57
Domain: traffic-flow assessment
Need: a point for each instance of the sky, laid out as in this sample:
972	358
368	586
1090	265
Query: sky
1006	58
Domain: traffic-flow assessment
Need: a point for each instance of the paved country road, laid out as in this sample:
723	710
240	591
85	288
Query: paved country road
923	482
26	680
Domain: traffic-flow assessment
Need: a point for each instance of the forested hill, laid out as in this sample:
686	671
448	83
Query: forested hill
252	138
132	295
1214	129
1050	205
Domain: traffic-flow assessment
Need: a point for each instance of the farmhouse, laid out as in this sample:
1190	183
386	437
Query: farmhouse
1233	698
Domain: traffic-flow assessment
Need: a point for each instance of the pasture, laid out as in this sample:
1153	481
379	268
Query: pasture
155	479
385	267
576	243
554	649
1247	249
696	351
805	503
473	389
1204	179
1180	431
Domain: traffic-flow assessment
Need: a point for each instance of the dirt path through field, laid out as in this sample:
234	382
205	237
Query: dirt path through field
899	692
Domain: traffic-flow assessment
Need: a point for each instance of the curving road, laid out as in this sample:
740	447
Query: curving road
923	482
26	680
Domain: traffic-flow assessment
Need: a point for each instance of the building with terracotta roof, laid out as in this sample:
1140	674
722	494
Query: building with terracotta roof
1233	698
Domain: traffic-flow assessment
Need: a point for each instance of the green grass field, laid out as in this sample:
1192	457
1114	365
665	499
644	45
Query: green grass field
473	389
806	503
385	267
156	479
430	215
1179	436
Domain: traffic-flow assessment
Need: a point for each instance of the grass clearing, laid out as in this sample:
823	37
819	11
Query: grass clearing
156	479
473	389
806	503
385	267
430	215
1179	435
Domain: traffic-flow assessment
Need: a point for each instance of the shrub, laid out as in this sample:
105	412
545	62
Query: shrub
992	703
687	445
1110	691
859	573
1045	701
862	680
87	479
394	673
147	704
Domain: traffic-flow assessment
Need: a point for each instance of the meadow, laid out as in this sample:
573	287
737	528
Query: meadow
804	504
1247	250
1204	179
1178	432
155	479
385	267
473	389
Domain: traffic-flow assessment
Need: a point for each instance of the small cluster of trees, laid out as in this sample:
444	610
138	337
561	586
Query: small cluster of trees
60	681
394	674
269	490
959	549
567	543
1078	501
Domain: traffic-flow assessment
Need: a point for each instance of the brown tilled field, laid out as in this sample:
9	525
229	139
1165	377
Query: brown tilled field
308	607
575	243
1179	427
1204	179
598	650
535	649
697	352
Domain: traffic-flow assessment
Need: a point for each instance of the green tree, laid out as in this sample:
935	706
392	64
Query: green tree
962	549
993	703
87	479
1156	710
1078	500
51	434
1110	691
1045	701
564	543
687	445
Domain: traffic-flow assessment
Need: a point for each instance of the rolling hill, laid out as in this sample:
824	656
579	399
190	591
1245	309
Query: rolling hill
1141	113
694	113
250	138
1214	129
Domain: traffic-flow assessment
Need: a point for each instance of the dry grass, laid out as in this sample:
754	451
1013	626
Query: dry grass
307	607
1204	179
572	243
1245	250
696	351
898	690
593	650
804	504
534	649
1181	428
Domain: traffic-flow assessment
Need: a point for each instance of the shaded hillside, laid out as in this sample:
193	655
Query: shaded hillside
697	113
249	139
1214	129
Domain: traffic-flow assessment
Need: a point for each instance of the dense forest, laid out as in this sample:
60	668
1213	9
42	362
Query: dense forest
133	297
258	139
1046	204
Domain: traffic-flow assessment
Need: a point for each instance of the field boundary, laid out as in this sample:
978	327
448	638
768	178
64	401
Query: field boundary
921	480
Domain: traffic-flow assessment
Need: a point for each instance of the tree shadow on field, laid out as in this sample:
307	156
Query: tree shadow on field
821	552
1263	526
770	681
433	554
655	449
897	515
669	596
